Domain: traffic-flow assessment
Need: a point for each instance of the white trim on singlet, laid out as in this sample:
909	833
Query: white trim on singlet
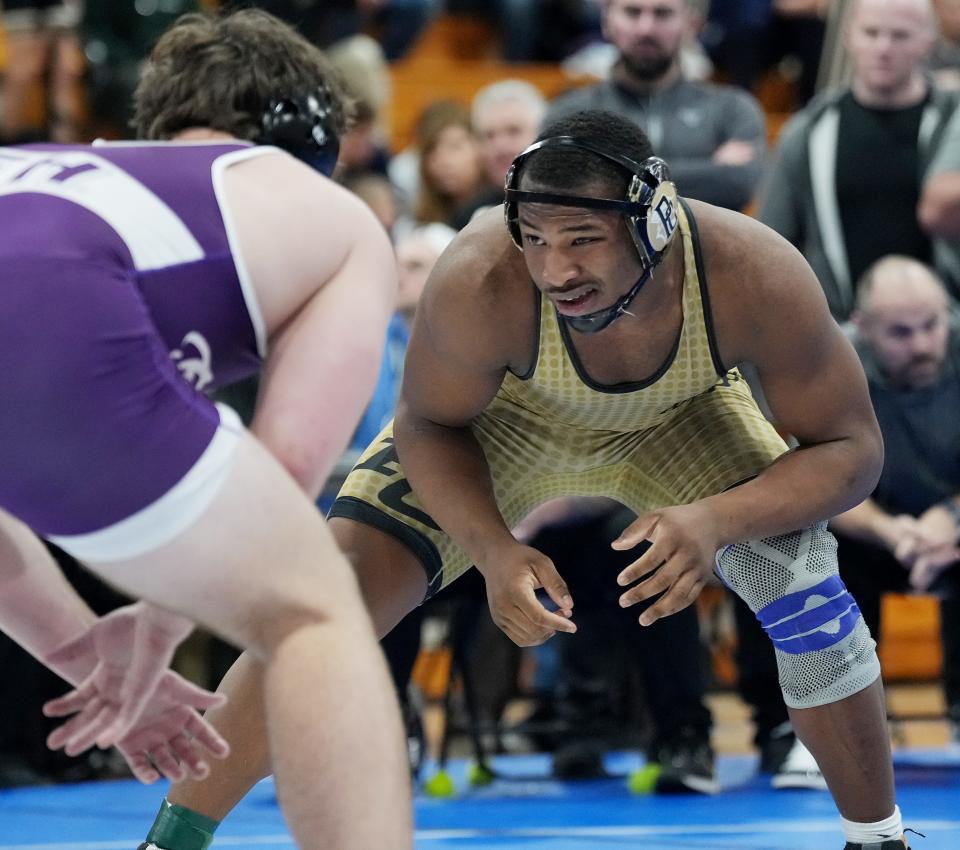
220	165
170	515
152	232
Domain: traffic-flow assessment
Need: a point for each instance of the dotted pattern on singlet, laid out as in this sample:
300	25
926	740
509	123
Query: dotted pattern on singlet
686	435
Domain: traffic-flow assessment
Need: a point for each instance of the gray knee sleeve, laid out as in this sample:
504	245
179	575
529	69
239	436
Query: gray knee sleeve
823	647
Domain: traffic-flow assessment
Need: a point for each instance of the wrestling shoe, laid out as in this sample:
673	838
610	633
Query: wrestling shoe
775	746
686	764
799	770
580	759
146	846
892	844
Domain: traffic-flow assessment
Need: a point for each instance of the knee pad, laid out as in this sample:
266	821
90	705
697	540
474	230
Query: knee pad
791	582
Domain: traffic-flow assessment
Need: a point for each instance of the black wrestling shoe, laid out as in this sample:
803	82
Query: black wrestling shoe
686	765
580	759
892	844
775	746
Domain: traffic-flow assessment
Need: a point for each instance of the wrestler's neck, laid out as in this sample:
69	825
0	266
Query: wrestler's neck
202	134
643	86
912	92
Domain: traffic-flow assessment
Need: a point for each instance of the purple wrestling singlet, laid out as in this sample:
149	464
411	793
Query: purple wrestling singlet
122	301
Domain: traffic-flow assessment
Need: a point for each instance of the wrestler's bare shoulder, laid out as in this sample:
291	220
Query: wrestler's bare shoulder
482	279
484	261
756	279
295	228
739	252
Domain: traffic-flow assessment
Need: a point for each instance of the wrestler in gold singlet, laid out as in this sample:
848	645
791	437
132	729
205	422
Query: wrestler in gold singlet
689	430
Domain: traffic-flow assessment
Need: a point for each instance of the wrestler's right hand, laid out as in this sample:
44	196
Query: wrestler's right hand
513	575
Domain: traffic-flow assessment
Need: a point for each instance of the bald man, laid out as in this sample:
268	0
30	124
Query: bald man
846	181
904	537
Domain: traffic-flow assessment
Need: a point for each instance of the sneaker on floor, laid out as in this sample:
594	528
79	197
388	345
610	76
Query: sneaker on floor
581	759
775	746
799	770
686	765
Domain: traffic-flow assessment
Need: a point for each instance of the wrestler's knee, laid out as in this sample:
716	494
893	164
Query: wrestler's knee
294	601
791	582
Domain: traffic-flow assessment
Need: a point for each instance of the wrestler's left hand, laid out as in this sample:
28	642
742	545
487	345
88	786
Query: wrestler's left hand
132	700
683	545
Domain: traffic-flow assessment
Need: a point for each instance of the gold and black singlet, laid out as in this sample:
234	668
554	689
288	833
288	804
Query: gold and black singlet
690	430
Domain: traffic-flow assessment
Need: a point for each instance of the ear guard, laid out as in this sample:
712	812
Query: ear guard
649	208
303	126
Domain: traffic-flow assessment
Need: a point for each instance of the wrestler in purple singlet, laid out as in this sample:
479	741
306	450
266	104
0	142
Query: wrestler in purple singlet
122	303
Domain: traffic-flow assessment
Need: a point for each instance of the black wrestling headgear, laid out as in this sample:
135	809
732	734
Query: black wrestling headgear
649	210
303	127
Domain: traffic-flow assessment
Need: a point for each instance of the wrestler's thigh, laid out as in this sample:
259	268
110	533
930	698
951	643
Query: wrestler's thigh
392	580
256	563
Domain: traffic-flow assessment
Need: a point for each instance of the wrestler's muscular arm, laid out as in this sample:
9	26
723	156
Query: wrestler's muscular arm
768	310
325	275
470	318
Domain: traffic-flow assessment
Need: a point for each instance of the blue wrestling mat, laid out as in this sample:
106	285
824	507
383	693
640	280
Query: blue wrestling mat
523	810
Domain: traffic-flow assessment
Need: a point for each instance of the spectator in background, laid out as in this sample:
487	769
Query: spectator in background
363	70
450	169
847	179
940	198
376	192
535	30
43	56
945	57
714	136
904	537
506	117
745	38
396	23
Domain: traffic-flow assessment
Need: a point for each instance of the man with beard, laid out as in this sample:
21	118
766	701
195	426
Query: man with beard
713	135
905	535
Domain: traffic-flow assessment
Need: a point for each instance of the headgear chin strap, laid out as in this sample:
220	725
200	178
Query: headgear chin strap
597	321
649	210
303	126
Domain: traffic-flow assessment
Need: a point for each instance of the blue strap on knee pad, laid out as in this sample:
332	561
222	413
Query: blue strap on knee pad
811	619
